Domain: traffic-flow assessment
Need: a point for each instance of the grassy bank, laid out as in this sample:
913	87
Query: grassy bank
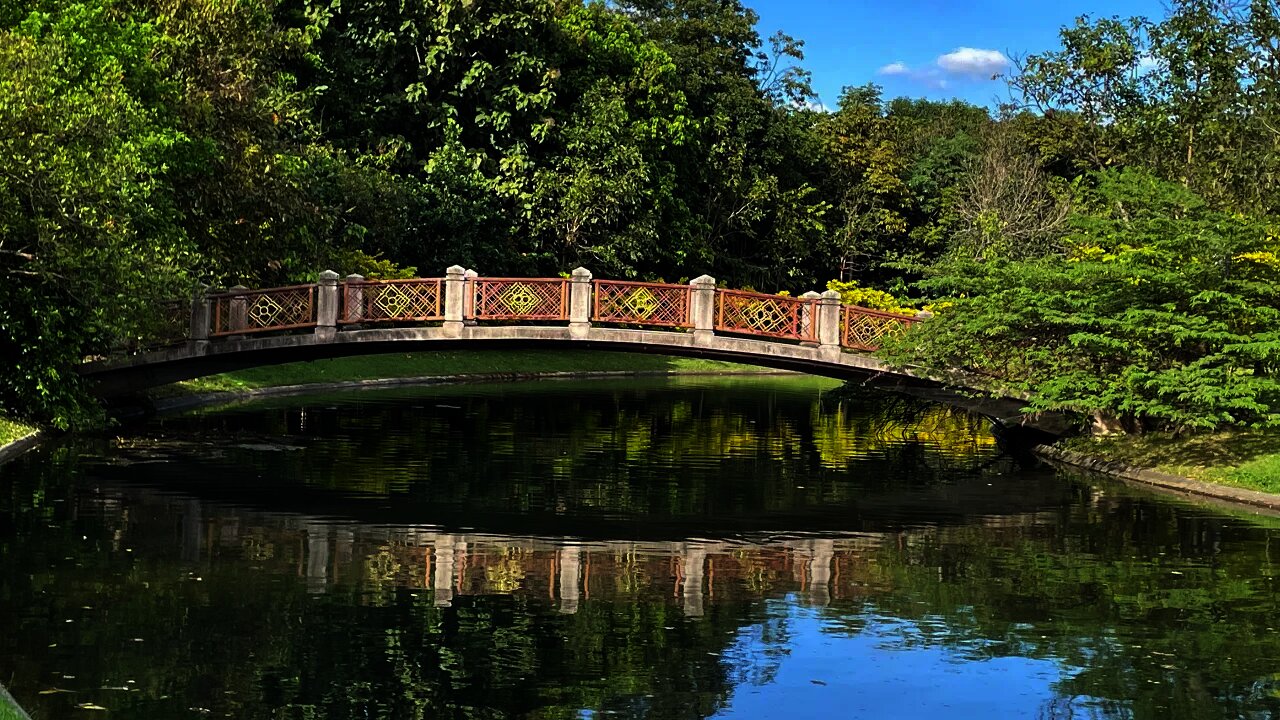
1241	458
398	365
11	430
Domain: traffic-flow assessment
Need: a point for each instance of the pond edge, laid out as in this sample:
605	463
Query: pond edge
17	447
1252	500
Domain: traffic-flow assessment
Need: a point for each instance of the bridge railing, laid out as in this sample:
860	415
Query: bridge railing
242	311
640	303
865	329
373	301
517	299
462	297
773	316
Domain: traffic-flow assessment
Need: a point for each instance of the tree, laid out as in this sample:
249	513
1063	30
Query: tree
1190	97
89	245
748	210
866	181
609	167
1161	313
1004	207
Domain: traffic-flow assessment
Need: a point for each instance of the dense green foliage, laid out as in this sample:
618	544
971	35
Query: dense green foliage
149	145
1153	305
1160	312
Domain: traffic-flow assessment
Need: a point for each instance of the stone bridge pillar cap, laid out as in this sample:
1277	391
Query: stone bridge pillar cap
703	280
328	275
456	270
830	295
581	272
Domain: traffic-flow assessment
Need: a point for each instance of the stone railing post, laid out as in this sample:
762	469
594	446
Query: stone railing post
353	303
455	299
238	309
468	290
809	316
580	303
702	308
327	303
201	318
829	322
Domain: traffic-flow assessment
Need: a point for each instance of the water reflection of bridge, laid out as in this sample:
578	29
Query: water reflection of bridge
692	573
452	564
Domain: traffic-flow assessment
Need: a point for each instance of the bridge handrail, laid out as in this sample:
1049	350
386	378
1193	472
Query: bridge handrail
402	300
775	316
240	310
507	298
864	329
641	303
699	307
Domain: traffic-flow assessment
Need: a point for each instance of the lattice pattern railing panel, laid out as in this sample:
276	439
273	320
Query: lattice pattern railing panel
262	310
641	303
768	315
864	329
171	323
519	299
393	301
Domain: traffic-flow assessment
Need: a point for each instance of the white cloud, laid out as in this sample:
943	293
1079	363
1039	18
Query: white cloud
973	62
964	63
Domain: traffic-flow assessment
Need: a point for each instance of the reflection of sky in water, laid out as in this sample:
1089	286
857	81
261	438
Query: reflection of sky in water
802	666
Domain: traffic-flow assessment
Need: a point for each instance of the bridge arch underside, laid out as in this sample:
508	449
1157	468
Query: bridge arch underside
140	372
115	379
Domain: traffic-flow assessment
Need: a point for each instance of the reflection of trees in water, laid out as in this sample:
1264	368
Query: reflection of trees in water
1167	612
405	622
661	452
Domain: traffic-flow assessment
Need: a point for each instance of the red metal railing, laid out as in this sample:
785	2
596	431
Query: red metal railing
518	299
392	301
639	303
540	299
773	316
865	329
251	311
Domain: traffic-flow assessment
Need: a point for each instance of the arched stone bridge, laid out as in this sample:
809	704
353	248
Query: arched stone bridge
814	333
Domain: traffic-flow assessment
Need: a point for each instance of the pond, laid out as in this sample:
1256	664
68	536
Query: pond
758	547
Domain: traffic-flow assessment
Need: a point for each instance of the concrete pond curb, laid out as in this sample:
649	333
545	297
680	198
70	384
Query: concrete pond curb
13	449
1252	500
7	702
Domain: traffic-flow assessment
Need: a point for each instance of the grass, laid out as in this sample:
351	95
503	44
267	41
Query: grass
9	710
396	365
11	430
1241	457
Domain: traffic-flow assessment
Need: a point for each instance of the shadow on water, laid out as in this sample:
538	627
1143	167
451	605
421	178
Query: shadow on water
659	549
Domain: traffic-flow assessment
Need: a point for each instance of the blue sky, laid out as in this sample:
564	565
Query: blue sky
926	48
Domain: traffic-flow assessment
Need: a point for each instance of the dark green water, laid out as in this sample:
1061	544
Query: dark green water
648	549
